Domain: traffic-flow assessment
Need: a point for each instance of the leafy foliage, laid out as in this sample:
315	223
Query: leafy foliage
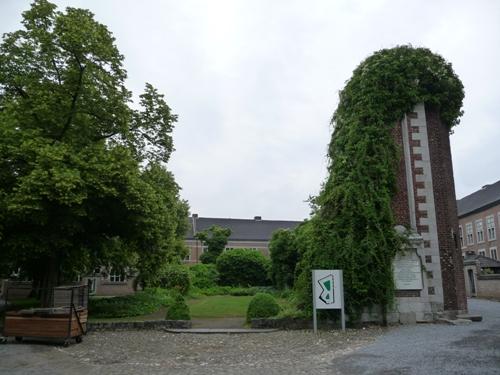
140	303
178	309
243	267
175	277
284	256
215	238
204	276
81	183
262	305
353	227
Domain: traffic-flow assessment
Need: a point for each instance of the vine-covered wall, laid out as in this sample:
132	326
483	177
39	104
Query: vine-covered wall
354	222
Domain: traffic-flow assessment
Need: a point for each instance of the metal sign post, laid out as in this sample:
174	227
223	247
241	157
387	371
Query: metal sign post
328	293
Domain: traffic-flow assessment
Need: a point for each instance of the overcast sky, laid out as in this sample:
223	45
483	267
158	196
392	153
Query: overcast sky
255	83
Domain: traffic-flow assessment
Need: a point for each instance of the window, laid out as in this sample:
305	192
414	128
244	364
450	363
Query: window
461	233
479	231
205	248
490	228
482	252
493	253
188	257
116	276
470	236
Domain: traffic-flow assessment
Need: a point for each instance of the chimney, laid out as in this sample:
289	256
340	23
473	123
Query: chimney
193	219
257	218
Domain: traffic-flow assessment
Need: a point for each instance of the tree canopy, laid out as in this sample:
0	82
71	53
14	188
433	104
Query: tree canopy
284	252
215	239
82	174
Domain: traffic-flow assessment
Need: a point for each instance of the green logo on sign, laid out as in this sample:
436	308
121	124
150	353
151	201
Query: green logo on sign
326	284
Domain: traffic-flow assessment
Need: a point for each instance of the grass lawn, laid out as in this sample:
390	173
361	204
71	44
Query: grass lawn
203	307
219	306
222	306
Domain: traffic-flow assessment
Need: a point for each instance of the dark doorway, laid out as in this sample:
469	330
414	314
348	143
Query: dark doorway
472	282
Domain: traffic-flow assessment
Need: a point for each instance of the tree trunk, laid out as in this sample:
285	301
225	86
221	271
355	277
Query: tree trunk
50	276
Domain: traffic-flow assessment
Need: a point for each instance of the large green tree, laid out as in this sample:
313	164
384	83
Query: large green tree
82	176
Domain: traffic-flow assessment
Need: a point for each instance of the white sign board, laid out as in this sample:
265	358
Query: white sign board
328	292
408	271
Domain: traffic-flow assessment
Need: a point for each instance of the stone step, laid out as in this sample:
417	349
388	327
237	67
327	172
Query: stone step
473	317
455	322
206	331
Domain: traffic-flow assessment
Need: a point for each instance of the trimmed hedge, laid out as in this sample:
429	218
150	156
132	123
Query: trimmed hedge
178	310
263	305
243	267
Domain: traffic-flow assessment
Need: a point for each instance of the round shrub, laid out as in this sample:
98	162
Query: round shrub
178	309
175	276
243	267
204	276
262	305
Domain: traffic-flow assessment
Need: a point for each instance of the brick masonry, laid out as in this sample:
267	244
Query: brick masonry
446	212
425	175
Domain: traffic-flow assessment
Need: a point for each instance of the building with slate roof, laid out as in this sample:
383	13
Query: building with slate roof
479	221
245	233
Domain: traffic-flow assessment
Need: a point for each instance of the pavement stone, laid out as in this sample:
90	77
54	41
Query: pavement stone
409	350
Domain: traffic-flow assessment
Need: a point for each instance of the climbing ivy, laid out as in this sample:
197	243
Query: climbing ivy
353	222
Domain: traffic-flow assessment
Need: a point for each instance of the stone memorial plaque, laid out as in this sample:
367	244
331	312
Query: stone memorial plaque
408	271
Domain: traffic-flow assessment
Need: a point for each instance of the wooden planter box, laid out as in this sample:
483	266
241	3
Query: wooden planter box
50	323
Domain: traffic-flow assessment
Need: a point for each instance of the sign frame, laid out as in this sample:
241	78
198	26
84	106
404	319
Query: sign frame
323	299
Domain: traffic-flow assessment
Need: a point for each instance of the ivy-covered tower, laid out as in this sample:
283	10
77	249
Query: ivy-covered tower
425	203
390	168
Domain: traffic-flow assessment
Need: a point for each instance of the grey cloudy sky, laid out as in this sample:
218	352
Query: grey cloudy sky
255	82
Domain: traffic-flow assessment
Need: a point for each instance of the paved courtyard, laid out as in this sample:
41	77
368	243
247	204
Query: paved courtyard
421	349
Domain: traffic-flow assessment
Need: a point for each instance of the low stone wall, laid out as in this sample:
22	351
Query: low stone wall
488	286
152	324
291	324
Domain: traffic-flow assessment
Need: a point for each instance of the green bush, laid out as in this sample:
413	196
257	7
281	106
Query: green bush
284	252
263	305
140	303
204	275
178	309
243	267
175	276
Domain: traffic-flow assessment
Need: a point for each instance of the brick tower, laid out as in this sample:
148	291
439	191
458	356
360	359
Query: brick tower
426	203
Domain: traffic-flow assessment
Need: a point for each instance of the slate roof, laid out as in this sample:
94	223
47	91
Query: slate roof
484	261
487	196
242	229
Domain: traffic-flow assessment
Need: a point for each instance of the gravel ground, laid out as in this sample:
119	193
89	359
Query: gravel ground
421	349
153	352
433	348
